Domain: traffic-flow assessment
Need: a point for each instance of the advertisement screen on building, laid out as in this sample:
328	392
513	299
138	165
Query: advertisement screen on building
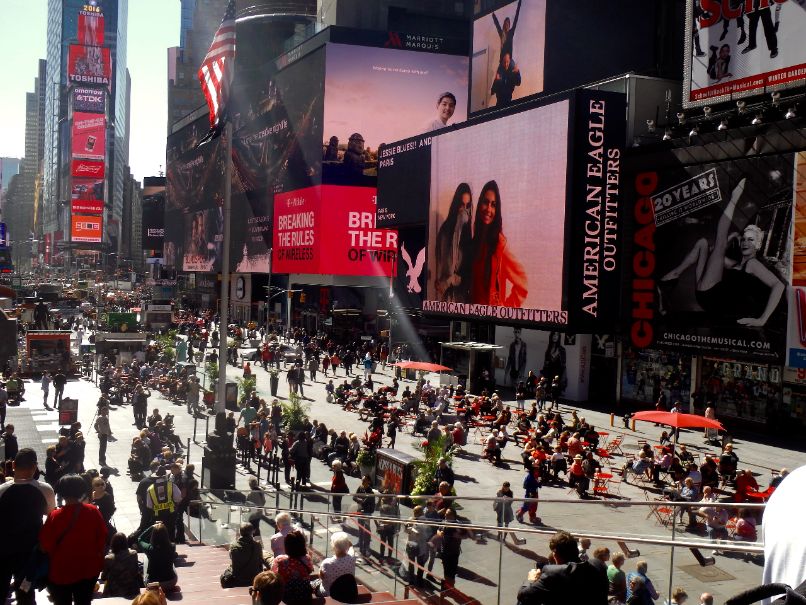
89	65
88	190
736	49
88	229
796	324
91	100
277	143
87	206
153	234
204	240
505	66
710	259
334	238
88	169
90	28
195	175
522	213
364	86
89	135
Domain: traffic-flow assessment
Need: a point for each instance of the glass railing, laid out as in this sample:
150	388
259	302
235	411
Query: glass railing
494	561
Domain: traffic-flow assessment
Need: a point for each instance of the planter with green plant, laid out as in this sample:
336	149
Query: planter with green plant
426	467
295	412
366	460
246	387
274	381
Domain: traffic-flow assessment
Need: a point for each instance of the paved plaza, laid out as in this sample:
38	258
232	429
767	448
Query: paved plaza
483	561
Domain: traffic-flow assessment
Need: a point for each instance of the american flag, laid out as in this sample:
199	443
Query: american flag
217	69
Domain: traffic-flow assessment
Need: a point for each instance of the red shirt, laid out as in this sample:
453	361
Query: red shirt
80	554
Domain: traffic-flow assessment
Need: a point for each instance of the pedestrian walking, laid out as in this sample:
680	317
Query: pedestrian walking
59	380
45	382
313	366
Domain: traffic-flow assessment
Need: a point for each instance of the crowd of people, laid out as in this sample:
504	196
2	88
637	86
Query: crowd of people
554	447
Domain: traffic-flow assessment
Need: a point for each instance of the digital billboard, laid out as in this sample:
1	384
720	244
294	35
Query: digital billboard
90	191
278	134
88	229
153	234
204	240
90	28
87	169
89	64
91	100
364	86
195	175
334	238
522	213
736	49
796	322
710	254
89	135
486	220
87	206
506	67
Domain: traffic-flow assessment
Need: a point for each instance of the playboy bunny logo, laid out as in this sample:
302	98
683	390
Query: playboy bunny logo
414	271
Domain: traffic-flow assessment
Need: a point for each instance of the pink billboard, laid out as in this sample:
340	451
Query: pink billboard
330	230
89	135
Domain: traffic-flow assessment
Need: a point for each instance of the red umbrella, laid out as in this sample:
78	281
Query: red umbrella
422	365
678	420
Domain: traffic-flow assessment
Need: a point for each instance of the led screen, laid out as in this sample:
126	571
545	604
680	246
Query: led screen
508	54
379	95
741	48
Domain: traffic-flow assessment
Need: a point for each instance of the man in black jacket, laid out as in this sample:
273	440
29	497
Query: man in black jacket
567	581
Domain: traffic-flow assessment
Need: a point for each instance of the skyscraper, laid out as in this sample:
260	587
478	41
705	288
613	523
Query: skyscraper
86	74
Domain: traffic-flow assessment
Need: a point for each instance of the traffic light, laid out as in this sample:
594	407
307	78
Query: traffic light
302	297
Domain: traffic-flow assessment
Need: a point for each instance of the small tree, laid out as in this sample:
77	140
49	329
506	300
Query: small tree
211	372
432	451
245	388
295	412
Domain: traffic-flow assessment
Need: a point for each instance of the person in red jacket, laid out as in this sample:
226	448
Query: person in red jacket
74	538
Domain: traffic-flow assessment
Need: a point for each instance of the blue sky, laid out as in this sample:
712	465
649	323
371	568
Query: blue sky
153	27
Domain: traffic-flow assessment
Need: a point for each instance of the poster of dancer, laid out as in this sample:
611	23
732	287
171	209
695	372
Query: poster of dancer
720	238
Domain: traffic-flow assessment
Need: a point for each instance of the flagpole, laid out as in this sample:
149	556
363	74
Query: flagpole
223	320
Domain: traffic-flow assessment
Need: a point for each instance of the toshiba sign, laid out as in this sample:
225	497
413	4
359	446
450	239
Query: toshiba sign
88	169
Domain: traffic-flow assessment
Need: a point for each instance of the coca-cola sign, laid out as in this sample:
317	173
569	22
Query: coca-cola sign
88	169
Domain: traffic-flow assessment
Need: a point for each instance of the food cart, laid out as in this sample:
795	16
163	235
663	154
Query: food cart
122	346
47	350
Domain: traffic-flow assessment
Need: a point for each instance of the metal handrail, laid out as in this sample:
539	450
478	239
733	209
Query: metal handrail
611	504
737	546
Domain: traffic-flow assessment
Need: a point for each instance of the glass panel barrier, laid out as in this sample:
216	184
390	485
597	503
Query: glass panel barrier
489	563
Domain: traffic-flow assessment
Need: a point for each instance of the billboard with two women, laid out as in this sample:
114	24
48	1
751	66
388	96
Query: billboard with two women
522	213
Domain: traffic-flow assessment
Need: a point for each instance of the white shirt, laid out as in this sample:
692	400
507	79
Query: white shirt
783	530
333	568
